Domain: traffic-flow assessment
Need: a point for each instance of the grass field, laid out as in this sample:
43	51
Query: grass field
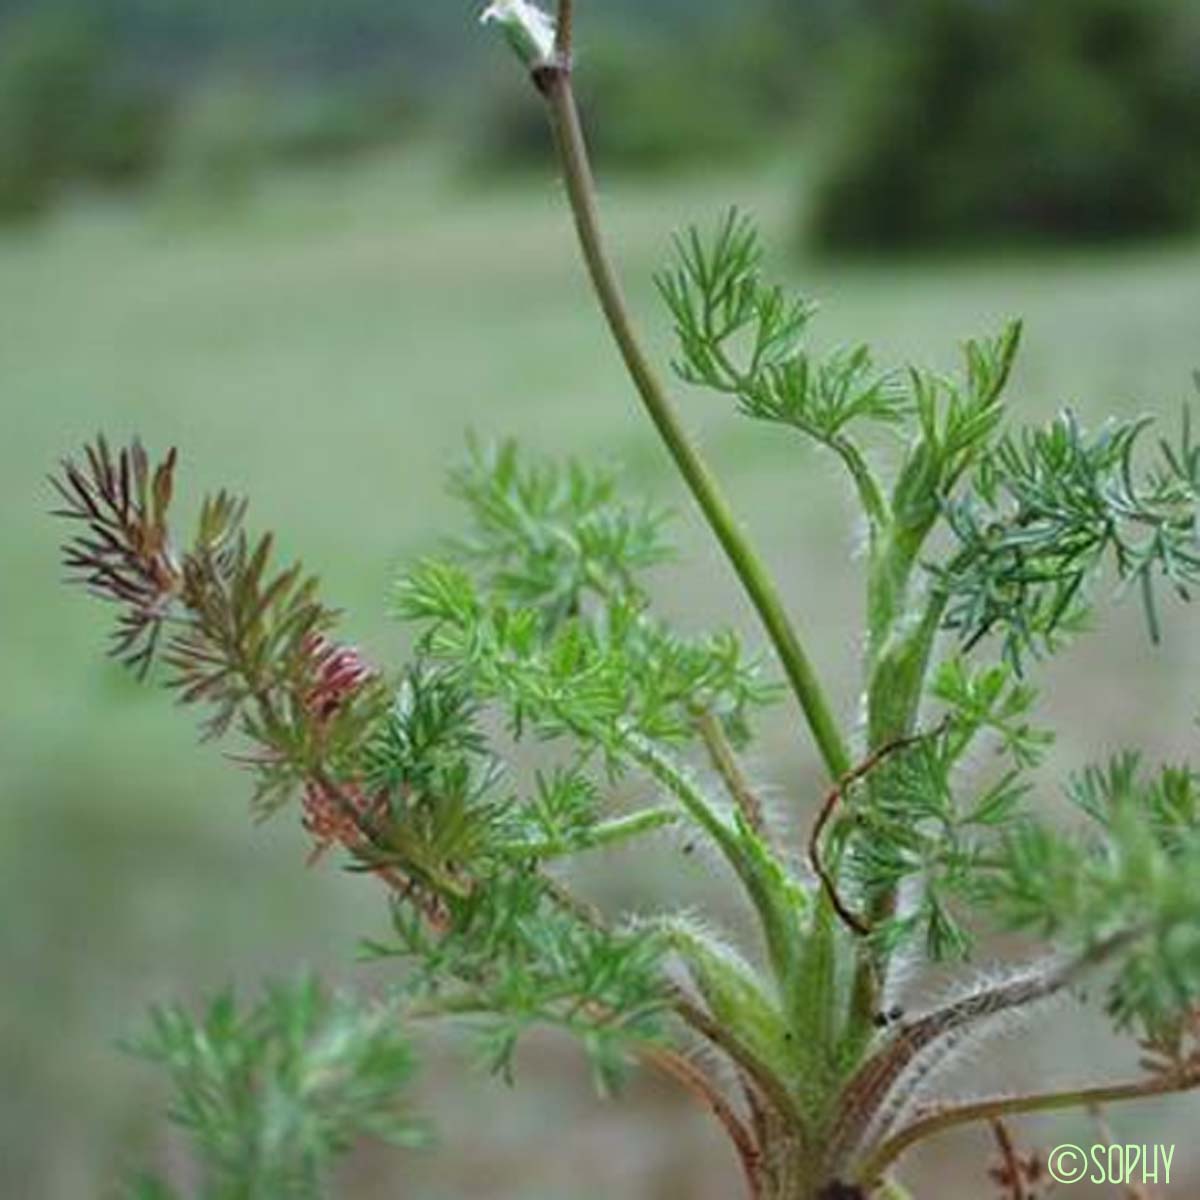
325	348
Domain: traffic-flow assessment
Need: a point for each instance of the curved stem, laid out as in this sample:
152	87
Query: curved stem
725	762
754	1071
695	1081
870	493
1007	1106
879	1090
836	795
673	776
739	383
779	921
554	81
674	1065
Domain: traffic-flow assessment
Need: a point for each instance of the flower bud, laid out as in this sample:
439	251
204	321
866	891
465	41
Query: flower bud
529	30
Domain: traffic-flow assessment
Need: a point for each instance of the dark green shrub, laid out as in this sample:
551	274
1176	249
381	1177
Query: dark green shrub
70	111
125	140
50	64
1018	117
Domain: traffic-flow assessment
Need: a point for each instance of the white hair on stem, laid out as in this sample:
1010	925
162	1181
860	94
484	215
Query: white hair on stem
961	1042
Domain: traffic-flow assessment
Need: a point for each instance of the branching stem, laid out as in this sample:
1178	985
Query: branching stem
888	1078
725	763
1006	1106
755	1072
605	834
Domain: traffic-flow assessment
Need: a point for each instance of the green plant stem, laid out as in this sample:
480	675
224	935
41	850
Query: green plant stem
1007	1106
899	665
927	1040
605	834
725	762
780	926
554	81
724	1040
697	1019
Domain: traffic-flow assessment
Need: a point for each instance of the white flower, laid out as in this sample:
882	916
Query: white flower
527	27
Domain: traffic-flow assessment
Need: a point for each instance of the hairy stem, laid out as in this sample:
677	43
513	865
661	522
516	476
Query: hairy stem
880	1089
997	1107
554	81
695	1081
897	680
606	834
759	1075
780	927
725	762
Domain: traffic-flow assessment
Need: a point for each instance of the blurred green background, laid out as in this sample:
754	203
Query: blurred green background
313	244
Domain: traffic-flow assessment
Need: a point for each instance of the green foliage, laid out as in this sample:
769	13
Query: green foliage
968	120
1033	518
916	822
989	700
403	774
916	825
721	305
956	423
545	536
603	678
431	730
539	627
743	337
521	959
273	1095
556	627
1047	509
1133	873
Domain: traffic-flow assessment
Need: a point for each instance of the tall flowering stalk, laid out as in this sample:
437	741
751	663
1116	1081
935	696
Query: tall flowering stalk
985	554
